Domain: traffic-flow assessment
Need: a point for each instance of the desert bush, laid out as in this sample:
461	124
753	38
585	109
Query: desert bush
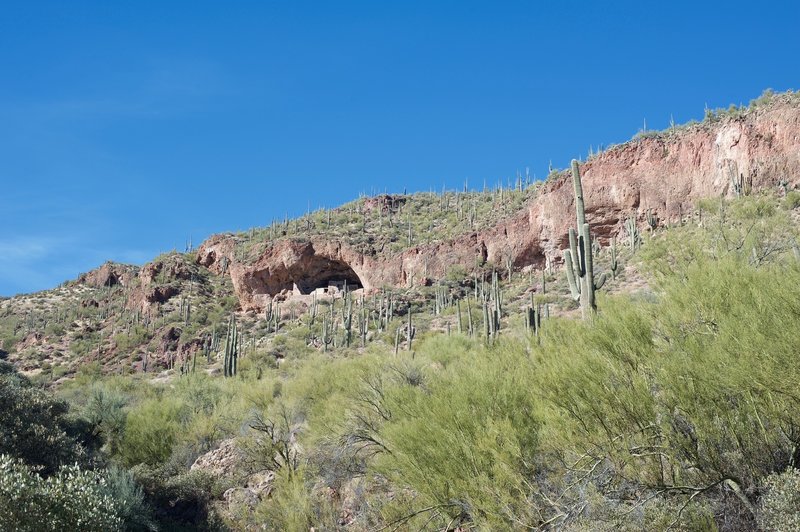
72	499
151	430
34	426
126	342
105	411
129	500
693	395
294	505
464	442
792	200
751	229
180	498
456	273
54	330
780	505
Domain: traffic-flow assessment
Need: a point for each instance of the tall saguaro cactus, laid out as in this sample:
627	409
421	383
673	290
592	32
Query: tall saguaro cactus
578	259
231	349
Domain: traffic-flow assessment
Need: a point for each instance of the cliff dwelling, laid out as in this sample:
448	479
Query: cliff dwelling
305	275
325	276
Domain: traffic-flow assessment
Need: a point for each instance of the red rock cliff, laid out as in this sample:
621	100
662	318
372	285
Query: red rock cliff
667	173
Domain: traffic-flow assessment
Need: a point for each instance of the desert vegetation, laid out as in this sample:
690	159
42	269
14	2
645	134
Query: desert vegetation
673	406
647	383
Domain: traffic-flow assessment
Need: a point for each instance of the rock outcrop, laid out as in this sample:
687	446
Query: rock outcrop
108	275
159	281
666	173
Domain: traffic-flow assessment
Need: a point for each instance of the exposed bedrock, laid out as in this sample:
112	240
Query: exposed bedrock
666	173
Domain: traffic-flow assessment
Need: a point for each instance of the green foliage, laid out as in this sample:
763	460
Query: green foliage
464	441
751	230
151	431
792	200
72	499
105	412
34	426
126	342
293	508
457	273
129	500
180	497
696	391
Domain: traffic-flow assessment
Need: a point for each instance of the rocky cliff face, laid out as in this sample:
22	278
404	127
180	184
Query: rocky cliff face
108	275
667	173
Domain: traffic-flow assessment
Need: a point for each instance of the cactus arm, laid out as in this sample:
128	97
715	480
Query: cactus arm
576	259
574	287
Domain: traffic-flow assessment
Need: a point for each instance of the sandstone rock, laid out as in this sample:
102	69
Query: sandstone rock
261	483
236	498
216	253
169	268
667	173
109	274
384	203
160	294
222	461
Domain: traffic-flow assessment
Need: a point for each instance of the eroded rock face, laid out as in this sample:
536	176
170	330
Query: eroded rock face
109	274
217	253
384	203
160	294
666	174
170	268
300	267
159	281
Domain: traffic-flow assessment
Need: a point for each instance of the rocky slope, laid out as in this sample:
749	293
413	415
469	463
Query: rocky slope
665	173
160	315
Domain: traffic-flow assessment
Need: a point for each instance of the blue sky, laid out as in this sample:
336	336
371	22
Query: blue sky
127	127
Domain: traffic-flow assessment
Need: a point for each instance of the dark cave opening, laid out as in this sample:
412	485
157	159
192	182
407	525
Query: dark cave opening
326	274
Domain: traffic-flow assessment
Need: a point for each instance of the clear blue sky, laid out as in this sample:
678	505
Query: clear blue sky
126	127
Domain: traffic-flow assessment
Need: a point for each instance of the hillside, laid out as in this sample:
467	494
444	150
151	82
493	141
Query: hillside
401	243
418	361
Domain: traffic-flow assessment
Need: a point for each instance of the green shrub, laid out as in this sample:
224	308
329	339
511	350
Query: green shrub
696	391
34	426
751	230
456	273
792	200
151	430
182	497
464	440
72	499
129	500
54	330
104	411
290	508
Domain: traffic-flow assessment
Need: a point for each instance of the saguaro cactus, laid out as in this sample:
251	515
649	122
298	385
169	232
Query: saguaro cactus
578	260
614	263
231	349
634	238
347	320
410	331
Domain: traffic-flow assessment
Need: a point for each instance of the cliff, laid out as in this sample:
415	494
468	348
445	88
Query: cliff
666	173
